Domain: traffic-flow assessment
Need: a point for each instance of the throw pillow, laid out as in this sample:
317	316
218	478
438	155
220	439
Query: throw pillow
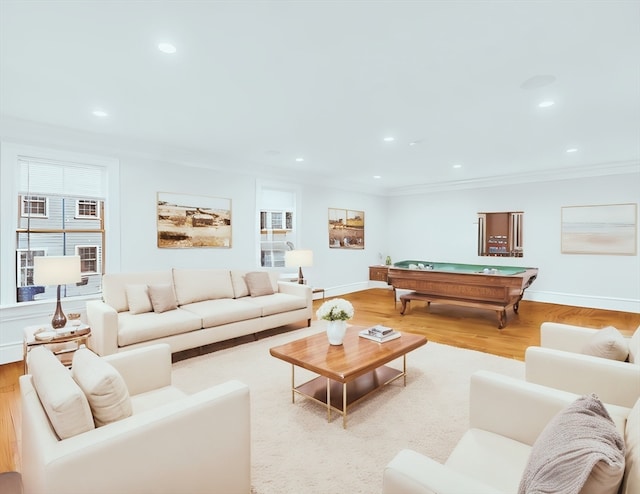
162	298
607	343
259	283
62	399
103	386
138	299
579	451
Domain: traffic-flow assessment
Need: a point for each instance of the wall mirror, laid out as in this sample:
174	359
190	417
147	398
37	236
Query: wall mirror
500	234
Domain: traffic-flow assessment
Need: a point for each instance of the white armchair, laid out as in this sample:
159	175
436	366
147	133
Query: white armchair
172	442
559	363
506	417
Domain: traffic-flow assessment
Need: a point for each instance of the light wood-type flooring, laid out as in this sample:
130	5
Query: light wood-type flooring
474	329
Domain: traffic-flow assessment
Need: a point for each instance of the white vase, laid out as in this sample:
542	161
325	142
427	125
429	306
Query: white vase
336	331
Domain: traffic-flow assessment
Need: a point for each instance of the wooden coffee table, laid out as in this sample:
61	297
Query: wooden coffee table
346	373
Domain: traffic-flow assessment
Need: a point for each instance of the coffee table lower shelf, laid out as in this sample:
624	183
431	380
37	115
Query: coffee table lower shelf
339	396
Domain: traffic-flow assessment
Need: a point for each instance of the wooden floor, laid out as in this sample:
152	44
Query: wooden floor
474	329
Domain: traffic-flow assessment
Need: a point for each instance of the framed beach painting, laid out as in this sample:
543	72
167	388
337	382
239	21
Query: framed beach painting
346	229
606	229
190	221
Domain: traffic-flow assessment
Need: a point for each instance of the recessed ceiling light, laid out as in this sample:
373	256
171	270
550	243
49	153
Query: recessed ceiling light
457	165
100	113
415	143
546	104
166	48
389	139
572	150
299	160
377	176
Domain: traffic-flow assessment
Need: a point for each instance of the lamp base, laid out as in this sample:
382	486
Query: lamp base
59	319
300	277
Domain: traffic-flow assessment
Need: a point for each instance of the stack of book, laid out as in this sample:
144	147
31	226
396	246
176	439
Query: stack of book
379	333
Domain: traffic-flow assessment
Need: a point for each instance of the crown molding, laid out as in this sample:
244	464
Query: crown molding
595	170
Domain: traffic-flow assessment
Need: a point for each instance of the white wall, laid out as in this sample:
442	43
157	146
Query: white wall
443	227
335	269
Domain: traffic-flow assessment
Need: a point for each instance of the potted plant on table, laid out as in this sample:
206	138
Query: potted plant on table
336	312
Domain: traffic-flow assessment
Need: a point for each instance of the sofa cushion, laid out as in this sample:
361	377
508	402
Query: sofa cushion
138	299
277	303
493	459
194	285
259	283
223	311
162	298
62	399
579	451
114	286
634	347
103	386
152	325
607	343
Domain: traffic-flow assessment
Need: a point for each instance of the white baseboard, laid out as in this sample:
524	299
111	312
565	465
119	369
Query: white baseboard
605	303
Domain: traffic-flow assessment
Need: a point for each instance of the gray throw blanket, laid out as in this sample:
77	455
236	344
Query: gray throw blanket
569	447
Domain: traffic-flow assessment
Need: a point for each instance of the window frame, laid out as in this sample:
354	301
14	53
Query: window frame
279	198
96	258
97	208
20	268
24	199
11	155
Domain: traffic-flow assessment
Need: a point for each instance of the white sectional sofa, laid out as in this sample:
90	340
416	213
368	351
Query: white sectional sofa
190	308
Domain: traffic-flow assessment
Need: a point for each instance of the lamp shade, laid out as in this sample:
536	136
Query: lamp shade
56	270
298	258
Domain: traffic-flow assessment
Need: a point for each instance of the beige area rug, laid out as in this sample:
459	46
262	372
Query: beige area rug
295	450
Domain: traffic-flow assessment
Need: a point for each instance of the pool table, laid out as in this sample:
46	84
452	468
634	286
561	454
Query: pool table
470	285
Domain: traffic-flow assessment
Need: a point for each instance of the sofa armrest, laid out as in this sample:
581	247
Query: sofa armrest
565	336
103	321
205	437
144	369
410	472
296	289
614	382
512	407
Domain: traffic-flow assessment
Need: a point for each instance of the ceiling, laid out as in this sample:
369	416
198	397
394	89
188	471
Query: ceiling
253	85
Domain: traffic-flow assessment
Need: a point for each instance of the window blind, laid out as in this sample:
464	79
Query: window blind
52	178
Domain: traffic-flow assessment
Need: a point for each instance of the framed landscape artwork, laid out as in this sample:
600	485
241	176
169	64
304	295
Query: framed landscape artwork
346	229
190	221
607	229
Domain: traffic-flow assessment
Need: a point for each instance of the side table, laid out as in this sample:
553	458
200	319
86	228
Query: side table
318	290
63	344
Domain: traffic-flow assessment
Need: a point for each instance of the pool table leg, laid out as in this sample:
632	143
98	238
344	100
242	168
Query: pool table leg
502	318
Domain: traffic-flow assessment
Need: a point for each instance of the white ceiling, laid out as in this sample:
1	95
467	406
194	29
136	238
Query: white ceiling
255	84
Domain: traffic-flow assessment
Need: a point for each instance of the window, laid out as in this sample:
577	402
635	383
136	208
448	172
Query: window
86	208
61	214
34	206
277	232
88	259
25	266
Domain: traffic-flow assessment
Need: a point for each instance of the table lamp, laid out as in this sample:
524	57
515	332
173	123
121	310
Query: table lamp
56	270
298	258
